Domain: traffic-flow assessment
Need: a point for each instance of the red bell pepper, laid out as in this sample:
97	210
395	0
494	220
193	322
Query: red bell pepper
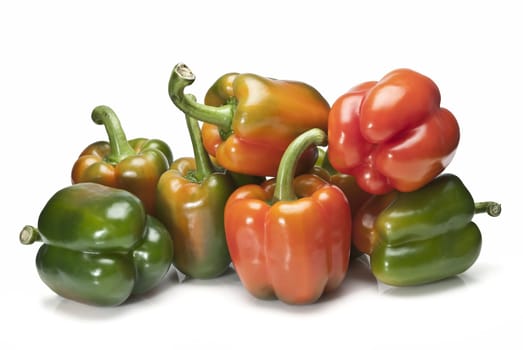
392	134
291	240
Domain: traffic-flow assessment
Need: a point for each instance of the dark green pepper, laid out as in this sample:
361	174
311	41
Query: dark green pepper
99	245
422	236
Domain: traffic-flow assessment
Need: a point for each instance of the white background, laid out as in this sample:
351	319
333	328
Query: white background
59	59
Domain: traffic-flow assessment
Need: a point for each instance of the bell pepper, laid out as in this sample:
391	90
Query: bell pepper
99	245
347	183
392	134
239	179
323	162
290	240
191	199
421	236
252	117
134	165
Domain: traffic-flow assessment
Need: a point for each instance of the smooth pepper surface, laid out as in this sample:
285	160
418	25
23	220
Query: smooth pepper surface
392	134
421	236
290	240
99	245
251	117
347	183
134	165
191	199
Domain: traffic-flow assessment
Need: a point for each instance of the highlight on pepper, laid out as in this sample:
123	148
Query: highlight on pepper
392	134
292	240
421	236
247	116
281	186
133	165
99	246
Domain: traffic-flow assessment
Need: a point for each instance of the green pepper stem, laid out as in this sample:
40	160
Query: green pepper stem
29	235
284	189
181	77
120	148
203	162
491	208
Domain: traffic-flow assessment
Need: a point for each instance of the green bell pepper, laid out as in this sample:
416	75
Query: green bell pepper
99	245
191	198
422	236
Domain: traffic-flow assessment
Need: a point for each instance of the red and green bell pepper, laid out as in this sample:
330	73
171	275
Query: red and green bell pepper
134	165
421	236
191	198
253	118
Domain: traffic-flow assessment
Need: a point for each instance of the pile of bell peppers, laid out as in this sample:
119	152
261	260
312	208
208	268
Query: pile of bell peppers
282	187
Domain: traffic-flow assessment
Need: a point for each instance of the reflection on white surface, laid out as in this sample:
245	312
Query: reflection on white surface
444	286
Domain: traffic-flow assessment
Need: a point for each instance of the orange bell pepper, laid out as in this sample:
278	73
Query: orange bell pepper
250	117
291	240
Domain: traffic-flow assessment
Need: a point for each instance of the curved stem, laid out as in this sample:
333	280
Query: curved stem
491	208
286	171
203	162
181	77
120	148
29	235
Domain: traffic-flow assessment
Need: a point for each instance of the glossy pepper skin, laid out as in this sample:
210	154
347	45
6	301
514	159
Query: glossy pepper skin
134	165
99	246
291	240
392	134
422	236
191	199
347	183
250	117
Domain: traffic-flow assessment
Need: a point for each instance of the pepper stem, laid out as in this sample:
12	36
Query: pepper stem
181	77
120	148
203	162
284	189
491	208
29	235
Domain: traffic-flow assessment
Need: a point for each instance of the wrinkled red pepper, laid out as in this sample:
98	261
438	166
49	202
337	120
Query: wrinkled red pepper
392	134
